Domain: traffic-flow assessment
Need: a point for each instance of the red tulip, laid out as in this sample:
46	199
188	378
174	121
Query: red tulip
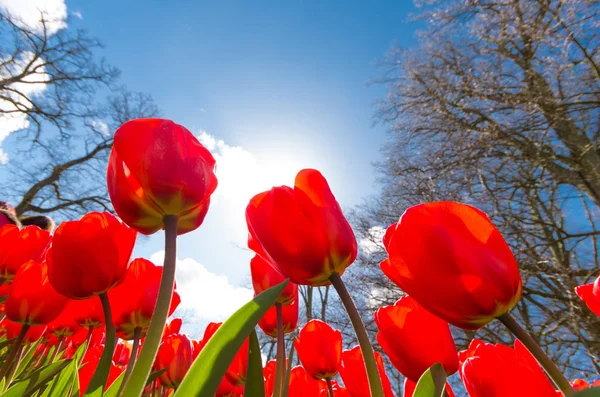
122	354
354	374
269	376
264	276
590	294
338	391
134	299
415	339
33	300
236	373
485	370
454	262
158	168
410	386
90	256
173	327
302	384
302	231
87	313
176	354
90	363
12	330
18	247
319	349
289	314
226	389
64	324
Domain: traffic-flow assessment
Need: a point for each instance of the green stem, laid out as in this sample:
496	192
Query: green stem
288	370
551	369
329	387
13	351
280	361
137	336
361	335
98	381
142	367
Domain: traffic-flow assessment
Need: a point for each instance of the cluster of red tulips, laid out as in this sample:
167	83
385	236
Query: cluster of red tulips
81	317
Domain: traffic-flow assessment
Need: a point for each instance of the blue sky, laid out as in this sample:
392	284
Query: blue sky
270	86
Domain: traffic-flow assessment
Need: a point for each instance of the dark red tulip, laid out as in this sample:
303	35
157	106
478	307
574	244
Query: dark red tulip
19	246
134	299
590	294
176	354
319	349
302	384
454	262
158	168
122	354
289	314
415	339
33	300
264	276
236	373
12	330
302	231
485	369
354	374
90	256
409	389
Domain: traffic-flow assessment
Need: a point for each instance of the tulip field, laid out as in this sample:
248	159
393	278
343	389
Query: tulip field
81	317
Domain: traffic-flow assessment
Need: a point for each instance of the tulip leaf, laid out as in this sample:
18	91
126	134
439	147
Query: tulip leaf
114	387
593	392
204	377
255	383
432	383
36	380
68	380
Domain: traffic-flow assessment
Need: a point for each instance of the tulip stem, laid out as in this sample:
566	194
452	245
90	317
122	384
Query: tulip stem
551	369
288	370
143	365
280	361
98	382
329	387
137	335
13	351
361	334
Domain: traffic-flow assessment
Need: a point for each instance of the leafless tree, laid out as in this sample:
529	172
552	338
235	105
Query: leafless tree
498	106
50	83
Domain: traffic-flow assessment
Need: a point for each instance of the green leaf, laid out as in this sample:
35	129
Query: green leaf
595	392
114	388
432	383
205	375
67	382
26	358
36	380
255	382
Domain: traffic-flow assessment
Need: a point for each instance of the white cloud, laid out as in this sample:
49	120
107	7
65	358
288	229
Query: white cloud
77	14
373	242
32	85
205	296
100	126
28	13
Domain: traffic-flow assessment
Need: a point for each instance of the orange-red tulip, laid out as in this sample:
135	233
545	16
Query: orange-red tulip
32	299
264	276
134	299
90	256
319	349
415	339
158	168
302	231
497	370
354	374
410	386
176	354
236	373
17	247
302	384
289	314
590	294
454	262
